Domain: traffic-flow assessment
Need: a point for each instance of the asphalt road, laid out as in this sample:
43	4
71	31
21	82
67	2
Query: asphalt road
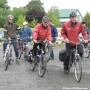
19	77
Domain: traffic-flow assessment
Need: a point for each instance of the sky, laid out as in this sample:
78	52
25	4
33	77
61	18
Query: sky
82	5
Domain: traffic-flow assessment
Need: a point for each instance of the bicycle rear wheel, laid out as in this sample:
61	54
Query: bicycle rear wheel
78	69
42	66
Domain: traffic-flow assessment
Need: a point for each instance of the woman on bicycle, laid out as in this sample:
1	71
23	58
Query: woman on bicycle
70	31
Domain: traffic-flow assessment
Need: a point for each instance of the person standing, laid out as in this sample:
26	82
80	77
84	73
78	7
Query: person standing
54	35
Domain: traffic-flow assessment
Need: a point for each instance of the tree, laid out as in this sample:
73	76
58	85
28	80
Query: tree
20	20
4	11
35	11
53	14
16	12
87	19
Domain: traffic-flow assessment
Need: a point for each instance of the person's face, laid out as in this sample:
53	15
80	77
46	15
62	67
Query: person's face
73	19
50	23
45	24
83	25
25	26
10	20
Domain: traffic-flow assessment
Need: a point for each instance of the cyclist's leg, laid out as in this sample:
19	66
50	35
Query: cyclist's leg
66	61
34	49
4	45
15	48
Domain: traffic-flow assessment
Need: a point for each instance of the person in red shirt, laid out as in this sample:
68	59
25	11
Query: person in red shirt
70	31
41	32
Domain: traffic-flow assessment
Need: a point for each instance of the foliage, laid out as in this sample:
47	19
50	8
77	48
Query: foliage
4	11
20	20
53	14
87	19
16	12
35	11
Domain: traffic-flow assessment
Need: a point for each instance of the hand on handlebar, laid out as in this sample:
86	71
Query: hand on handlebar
35	41
67	41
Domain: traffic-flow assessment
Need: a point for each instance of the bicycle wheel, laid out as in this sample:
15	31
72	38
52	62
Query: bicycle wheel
47	55
42	66
78	69
86	53
33	64
7	61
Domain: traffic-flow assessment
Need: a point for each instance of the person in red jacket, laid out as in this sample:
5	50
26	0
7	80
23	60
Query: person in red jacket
41	32
70	31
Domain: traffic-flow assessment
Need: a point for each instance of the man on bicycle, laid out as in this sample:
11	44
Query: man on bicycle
10	34
42	31
70	31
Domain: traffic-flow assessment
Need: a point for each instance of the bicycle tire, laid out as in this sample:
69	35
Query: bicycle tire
86	53
47	53
78	75
7	62
33	64
42	66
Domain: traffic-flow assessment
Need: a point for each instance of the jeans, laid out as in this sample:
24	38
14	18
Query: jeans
14	43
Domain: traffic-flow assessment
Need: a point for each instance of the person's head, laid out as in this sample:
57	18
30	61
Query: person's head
84	23
73	17
50	22
10	18
45	21
25	24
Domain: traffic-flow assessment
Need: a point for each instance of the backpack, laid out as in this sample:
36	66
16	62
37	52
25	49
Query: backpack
62	55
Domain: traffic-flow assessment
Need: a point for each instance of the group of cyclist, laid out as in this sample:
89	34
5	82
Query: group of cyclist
45	30
41	32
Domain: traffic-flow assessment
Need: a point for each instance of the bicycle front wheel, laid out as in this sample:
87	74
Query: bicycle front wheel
42	66
7	61
78	69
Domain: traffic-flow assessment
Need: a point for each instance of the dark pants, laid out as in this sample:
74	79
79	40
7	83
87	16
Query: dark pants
14	43
51	49
68	53
35	50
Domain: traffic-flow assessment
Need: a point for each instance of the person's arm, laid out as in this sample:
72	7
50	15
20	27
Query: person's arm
35	33
48	36
64	34
55	32
5	31
84	34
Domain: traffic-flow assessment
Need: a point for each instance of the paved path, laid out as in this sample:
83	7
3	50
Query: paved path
19	77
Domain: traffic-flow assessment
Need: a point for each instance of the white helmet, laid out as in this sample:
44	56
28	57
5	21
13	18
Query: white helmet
25	23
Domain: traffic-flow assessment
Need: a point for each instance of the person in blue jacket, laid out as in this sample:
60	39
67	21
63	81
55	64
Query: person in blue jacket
26	33
54	34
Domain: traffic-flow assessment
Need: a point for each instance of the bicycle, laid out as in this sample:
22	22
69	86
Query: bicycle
8	54
40	59
87	51
23	48
75	60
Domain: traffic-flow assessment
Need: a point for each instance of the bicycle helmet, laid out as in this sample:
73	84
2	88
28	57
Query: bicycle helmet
10	17
45	19
73	14
25	23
